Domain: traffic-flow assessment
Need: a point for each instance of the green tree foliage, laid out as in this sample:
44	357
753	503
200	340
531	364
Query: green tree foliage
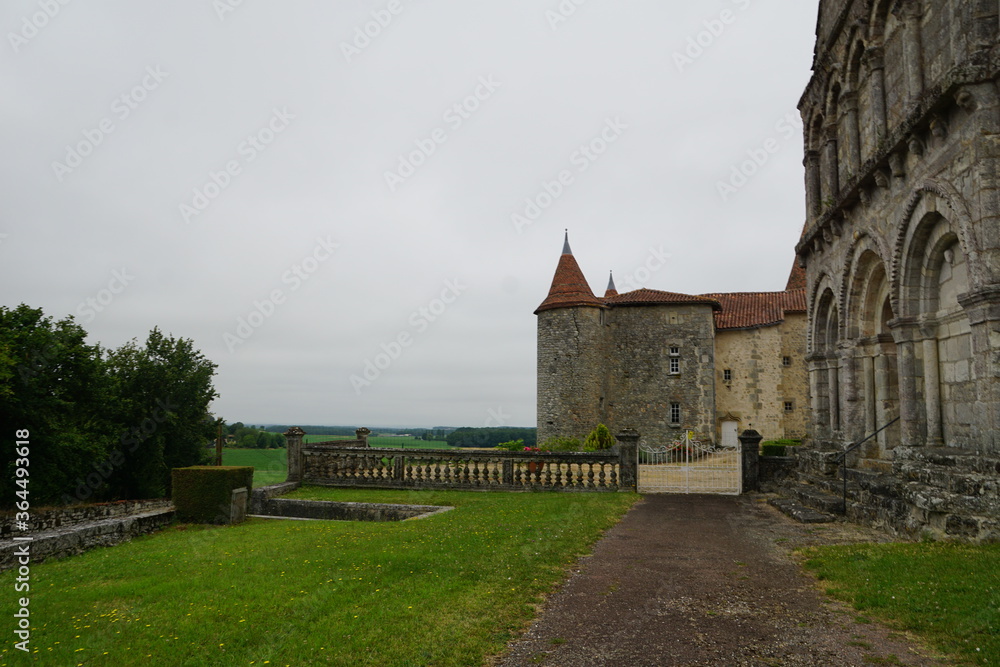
53	384
491	437
161	392
102	424
599	438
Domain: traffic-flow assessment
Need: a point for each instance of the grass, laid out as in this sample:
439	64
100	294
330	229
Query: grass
384	441
270	466
451	589
947	593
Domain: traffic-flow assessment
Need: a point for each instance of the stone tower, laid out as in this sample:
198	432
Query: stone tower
571	353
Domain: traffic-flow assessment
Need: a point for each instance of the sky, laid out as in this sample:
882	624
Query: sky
355	208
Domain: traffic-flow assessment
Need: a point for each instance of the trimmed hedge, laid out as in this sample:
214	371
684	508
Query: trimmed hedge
772	450
203	494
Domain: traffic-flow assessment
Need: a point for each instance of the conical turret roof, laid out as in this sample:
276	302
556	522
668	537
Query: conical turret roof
569	286
612	290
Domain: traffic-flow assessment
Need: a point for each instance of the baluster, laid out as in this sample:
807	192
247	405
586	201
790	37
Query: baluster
496	471
465	472
475	472
602	484
590	476
559	474
547	467
517	474
614	475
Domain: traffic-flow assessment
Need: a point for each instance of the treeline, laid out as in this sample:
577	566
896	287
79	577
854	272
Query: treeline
491	437
103	424
436	433
252	437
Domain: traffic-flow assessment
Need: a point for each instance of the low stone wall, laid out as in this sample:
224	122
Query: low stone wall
774	471
341	511
75	539
262	494
61	517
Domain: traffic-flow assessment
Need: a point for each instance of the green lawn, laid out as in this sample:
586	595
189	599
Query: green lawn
270	466
947	593
450	589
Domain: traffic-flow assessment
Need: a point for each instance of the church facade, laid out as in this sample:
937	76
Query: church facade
666	363
901	248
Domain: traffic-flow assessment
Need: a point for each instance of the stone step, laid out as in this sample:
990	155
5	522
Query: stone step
799	512
817	499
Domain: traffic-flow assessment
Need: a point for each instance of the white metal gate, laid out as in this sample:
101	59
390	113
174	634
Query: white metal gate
690	466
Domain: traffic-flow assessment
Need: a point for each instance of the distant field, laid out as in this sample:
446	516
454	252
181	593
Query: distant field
270	466
384	441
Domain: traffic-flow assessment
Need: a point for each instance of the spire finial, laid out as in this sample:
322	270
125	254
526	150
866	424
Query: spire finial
612	290
566	248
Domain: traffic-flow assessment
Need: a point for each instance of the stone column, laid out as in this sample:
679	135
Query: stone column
932	388
849	117
750	454
814	189
910	13
293	442
983	310
628	442
831	168
876	82
910	410
868	371
817	392
833	379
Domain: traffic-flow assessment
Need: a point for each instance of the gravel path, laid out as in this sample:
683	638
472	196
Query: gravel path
706	580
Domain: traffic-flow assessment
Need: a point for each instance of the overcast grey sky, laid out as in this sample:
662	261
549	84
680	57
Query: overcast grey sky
301	187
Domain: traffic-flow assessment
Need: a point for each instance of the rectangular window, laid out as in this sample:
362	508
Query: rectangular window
786	361
675	413
789	406
727	375
675	365
675	352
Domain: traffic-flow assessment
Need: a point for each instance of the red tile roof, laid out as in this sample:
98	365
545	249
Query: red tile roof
569	287
748	310
650	297
797	278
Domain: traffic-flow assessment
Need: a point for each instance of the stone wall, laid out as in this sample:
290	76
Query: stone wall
571	371
760	382
63	517
638	370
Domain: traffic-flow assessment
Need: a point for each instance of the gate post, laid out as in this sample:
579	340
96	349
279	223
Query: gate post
750	453
628	441
293	442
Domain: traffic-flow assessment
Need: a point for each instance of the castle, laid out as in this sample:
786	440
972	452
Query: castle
665	363
901	248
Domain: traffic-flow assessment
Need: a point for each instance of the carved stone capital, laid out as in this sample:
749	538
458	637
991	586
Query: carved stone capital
896	165
915	145
965	99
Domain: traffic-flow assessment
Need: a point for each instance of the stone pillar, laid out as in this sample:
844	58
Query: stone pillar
814	189
910	410
833	379
628	443
881	397
817	391
849	117
362	435
932	390
831	168
983	310
868	371
910	13
750	453
293	442
876	82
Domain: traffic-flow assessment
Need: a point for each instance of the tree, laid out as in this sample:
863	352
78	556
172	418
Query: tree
161	393
54	385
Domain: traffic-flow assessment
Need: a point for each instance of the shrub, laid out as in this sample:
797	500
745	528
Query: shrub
772	450
203	494
512	446
599	438
561	445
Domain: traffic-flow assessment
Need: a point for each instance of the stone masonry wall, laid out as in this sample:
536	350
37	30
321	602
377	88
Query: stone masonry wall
760	383
642	387
571	371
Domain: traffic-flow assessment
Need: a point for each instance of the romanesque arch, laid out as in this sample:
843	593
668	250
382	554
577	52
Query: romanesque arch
824	337
932	270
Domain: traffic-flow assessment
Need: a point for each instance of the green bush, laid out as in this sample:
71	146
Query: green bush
561	445
783	441
772	450
599	438
203	494
512	446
